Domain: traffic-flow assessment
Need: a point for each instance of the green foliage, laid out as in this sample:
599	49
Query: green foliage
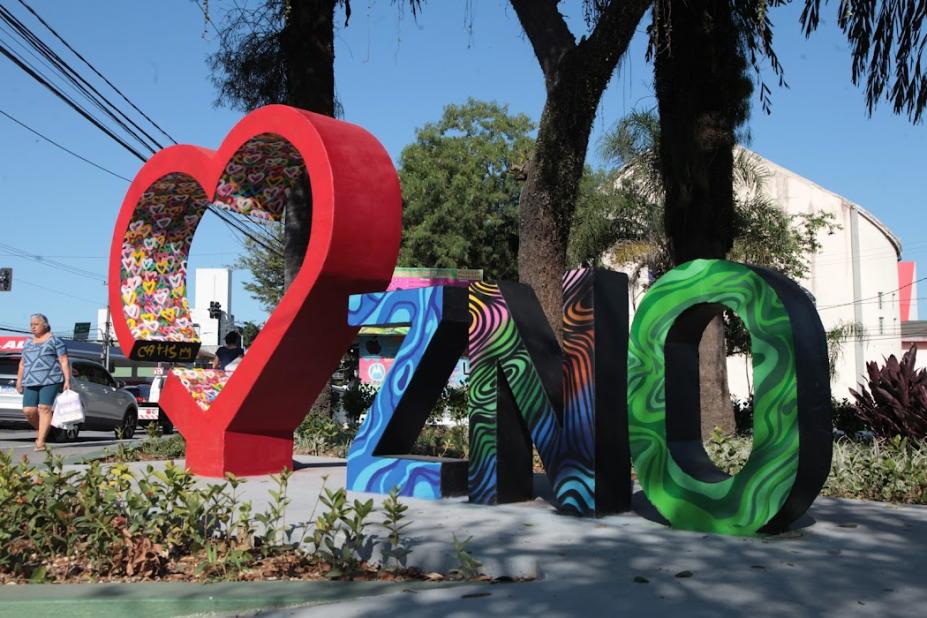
887	44
625	217
357	399
152	447
845	418
743	416
320	435
468	566
847	421
836	337
443	441
340	533
249	331
891	471
265	262
394	512
895	402
112	522
453	401
273	519
461	180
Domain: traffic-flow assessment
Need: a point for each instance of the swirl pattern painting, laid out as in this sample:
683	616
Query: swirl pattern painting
791	434
437	320
569	403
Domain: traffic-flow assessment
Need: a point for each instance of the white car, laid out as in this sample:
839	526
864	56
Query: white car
107	407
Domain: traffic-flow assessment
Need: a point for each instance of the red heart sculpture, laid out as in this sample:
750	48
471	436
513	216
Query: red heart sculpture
243	422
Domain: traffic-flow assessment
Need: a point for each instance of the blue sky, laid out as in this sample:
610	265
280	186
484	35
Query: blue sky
393	74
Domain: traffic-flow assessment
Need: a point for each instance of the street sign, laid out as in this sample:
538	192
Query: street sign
81	330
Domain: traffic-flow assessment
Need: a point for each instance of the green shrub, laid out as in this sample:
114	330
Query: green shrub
890	471
320	435
357	399
845	417
109	522
443	441
895	402
453	401
170	447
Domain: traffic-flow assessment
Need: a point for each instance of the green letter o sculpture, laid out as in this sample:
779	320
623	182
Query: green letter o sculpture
791	452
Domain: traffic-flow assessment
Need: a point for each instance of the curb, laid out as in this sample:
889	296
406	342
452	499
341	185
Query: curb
163	599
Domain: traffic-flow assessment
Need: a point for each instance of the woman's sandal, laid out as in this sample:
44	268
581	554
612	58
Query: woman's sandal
39	449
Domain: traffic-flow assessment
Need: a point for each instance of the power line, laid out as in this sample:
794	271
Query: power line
860	300
67	71
37	77
16	251
207	18
59	292
57	145
77	81
100	75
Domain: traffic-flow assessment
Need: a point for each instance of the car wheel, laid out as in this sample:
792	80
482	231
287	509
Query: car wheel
68	434
129	422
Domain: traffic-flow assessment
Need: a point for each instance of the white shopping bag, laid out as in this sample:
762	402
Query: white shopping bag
68	409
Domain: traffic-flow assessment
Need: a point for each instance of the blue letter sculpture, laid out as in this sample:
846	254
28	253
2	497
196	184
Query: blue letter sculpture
378	460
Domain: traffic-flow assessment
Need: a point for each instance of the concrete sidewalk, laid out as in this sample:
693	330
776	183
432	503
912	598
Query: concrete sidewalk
847	558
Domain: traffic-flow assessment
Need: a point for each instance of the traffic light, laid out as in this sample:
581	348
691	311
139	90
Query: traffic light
215	310
6	279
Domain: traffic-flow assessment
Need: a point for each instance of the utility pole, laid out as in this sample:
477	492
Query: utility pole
106	340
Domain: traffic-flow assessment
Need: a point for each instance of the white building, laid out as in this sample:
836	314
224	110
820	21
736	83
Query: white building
855	278
212	285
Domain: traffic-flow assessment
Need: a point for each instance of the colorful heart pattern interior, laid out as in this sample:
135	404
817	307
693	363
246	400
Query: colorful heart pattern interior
153	276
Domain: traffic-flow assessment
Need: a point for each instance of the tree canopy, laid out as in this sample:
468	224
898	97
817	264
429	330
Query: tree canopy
461	181
266	268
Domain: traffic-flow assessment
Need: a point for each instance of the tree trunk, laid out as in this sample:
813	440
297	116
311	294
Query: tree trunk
716	409
548	200
703	96
308	41
575	75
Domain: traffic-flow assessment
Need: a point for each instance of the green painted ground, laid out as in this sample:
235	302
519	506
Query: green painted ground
158	600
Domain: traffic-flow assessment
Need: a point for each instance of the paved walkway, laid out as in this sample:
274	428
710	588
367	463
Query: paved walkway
849	558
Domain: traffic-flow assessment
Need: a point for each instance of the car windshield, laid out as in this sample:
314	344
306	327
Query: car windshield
9	367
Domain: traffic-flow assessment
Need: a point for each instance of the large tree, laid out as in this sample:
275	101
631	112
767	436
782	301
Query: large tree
702	53
576	73
461	181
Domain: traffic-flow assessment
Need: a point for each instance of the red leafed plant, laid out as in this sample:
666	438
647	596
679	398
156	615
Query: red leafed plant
896	401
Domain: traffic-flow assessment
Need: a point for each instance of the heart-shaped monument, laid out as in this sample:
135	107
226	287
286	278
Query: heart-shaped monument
243	422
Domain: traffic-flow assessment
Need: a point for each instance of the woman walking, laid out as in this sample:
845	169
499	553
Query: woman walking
43	370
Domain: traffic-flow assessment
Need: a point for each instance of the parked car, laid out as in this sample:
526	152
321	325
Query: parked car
147	395
107	407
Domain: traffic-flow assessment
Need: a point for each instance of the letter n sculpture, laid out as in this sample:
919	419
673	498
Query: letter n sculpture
570	404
